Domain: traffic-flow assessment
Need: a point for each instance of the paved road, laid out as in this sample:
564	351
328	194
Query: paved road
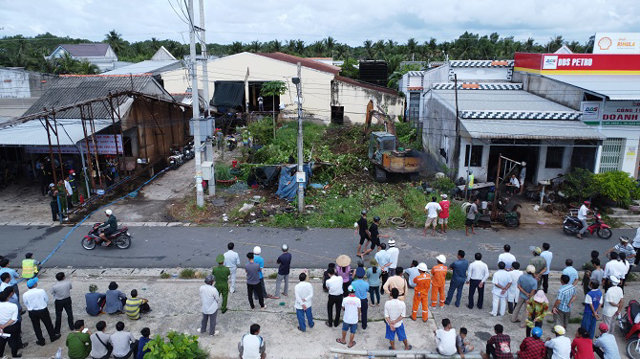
314	248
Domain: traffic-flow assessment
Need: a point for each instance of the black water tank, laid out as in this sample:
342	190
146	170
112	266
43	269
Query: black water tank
374	71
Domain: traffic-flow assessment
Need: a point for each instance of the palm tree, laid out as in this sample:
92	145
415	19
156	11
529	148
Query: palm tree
275	46
411	46
254	46
330	44
555	43
299	47
236	47
115	41
368	48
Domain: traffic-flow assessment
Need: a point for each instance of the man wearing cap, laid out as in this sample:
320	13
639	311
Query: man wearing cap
443	215
232	261
539	263
361	289
209	297
459	268
304	300
562	306
374	235
351	306
221	275
36	301
623	247
613	302
501	283
393	252
477	275
605	345
363	231
527	286
421	292
284	267
260	261
532	347
94	301
438	278
431	210
397	281
560	345
582	217
537	309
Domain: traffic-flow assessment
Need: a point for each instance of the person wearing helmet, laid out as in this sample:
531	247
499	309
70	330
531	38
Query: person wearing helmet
258	259
284	267
361	229
374	236
110	227
582	217
421	293
533	347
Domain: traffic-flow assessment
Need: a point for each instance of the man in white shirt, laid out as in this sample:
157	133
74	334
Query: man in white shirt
351	306
501	284
431	210
506	257
304	300
394	311
477	275
252	345
548	257
560	345
382	257
393	252
232	261
636	245
615	267
446	338
9	324
513	292
36	301
582	217
613	303
209	297
334	284
514	184
121	342
411	273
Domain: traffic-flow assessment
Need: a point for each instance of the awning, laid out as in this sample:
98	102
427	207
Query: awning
33	133
228	93
523	129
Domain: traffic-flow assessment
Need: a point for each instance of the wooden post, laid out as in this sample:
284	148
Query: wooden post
53	167
86	142
115	135
55	122
494	211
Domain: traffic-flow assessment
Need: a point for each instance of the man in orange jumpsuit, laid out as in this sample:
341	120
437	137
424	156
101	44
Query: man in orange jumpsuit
421	292
438	277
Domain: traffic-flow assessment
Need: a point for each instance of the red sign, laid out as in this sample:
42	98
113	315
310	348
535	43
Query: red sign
595	64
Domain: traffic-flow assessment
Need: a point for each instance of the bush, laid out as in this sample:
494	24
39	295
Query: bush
223	172
443	185
616	186
165	275
579	184
262	131
178	346
187	273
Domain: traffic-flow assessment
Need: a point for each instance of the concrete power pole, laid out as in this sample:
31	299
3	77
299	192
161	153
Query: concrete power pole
204	52
300	175
196	107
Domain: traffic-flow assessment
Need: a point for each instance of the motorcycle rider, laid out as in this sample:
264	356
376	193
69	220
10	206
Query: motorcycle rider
110	225
582	217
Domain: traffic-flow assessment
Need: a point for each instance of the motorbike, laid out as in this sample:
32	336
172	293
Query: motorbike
176	159
631	329
121	238
572	225
187	151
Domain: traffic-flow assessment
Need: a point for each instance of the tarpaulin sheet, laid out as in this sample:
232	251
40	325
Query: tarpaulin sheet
228	93
287	186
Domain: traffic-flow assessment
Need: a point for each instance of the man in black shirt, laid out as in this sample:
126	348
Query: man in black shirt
374	236
361	227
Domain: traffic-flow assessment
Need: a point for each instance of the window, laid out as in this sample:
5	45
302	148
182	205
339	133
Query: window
337	115
476	156
414	107
554	157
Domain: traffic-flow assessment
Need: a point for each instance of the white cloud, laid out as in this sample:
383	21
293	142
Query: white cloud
347	21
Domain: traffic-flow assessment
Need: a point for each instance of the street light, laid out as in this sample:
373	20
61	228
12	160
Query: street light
300	175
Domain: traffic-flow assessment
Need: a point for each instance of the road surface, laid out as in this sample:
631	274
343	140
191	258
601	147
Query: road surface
166	247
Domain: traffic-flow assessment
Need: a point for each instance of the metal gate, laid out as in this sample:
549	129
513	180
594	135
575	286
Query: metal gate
611	158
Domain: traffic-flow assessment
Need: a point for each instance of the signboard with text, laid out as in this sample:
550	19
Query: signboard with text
559	64
617	43
105	144
614	113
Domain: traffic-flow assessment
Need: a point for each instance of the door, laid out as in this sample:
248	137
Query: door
612	156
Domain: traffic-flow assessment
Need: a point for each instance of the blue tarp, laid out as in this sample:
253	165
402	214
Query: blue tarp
287	186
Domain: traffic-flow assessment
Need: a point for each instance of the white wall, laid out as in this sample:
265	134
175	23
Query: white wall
355	99
479	173
548	173
14	84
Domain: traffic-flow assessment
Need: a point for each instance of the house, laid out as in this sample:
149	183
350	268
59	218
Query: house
162	61
605	88
326	96
471	113
97	53
19	89
110	124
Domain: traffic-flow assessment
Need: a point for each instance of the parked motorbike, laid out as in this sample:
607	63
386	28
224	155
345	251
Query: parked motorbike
572	225
176	159
631	329
121	238
187	151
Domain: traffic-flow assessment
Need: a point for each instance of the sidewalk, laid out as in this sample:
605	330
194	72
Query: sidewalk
176	306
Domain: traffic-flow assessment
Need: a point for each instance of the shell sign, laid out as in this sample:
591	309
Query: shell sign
617	43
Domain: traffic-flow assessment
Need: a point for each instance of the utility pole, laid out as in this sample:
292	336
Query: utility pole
196	107
204	52
300	176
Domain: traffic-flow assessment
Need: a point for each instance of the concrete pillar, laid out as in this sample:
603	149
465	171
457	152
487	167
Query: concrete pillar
598	155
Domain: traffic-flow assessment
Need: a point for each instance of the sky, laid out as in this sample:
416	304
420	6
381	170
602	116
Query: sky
348	21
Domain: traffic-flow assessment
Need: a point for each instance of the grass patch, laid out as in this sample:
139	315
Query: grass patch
273	276
165	275
187	273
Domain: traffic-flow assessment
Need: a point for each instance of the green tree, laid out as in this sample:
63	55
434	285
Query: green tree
273	89
397	75
350	69
115	41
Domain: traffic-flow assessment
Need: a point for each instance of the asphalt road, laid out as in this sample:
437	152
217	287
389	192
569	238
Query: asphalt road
162	247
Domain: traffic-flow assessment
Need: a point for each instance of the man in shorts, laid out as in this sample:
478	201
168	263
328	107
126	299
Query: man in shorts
374	236
361	229
394	311
472	211
431	210
443	216
351	306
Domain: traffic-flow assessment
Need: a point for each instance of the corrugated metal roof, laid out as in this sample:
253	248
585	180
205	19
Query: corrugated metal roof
68	90
499	100
481	63
615	87
153	67
530	129
82	50
33	133
306	62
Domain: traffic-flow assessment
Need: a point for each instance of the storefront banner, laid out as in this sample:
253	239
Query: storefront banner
106	145
617	43
614	113
596	64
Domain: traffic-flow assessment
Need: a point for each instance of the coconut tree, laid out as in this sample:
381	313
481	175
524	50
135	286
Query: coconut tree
115	41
